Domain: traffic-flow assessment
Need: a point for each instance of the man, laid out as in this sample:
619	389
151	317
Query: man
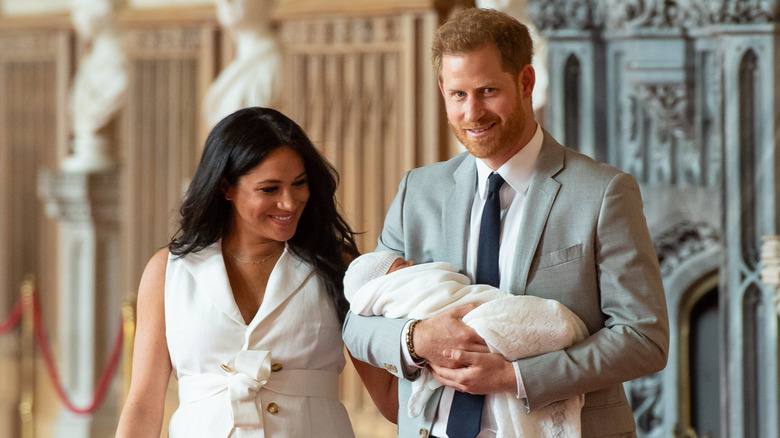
571	229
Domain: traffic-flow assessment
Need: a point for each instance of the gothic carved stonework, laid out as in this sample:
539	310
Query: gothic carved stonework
741	11
659	14
646	398
564	14
681	242
668	105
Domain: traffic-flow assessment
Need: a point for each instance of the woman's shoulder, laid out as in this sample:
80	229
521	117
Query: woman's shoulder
159	259
156	265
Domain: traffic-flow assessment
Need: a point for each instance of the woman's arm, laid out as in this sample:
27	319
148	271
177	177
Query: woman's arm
382	387
142	414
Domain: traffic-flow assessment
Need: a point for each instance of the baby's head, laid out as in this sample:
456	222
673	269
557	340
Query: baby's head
370	266
399	263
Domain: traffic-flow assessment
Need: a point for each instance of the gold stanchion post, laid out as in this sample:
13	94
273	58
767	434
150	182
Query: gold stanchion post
128	327
27	370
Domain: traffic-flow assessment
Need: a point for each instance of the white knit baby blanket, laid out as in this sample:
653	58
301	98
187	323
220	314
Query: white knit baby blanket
514	326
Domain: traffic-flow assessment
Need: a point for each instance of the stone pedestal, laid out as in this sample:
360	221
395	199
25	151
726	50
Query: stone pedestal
89	303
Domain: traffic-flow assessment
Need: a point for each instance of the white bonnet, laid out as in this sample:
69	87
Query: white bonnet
366	268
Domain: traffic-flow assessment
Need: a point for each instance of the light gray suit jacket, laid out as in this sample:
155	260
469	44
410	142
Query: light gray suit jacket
584	242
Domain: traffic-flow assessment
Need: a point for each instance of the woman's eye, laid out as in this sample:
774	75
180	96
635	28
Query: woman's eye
301	182
268	189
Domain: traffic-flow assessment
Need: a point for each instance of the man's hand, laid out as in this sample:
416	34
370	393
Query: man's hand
458	357
479	373
446	331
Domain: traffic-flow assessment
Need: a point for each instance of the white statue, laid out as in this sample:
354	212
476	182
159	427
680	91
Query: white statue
99	85
254	77
516	9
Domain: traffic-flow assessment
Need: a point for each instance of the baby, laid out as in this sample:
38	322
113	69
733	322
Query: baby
515	326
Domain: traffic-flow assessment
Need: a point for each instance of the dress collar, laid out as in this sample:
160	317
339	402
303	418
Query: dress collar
207	266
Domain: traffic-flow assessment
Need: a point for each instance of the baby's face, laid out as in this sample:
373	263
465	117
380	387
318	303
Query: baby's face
400	263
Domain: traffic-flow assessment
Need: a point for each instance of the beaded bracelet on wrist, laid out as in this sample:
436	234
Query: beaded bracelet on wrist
419	361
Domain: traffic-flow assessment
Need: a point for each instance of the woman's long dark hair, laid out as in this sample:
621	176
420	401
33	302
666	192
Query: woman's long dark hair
237	144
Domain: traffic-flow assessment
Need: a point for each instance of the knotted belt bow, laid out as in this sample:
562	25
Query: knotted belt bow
250	372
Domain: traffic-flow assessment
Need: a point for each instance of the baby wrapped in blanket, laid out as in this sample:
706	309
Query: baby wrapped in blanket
514	326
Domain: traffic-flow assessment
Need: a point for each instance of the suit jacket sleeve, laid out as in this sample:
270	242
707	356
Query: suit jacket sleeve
376	339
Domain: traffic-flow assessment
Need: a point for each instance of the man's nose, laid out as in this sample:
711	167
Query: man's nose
474	110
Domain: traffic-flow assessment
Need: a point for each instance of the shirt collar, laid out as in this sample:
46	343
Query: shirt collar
518	170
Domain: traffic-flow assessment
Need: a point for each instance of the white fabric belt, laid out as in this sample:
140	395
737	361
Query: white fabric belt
302	383
243	379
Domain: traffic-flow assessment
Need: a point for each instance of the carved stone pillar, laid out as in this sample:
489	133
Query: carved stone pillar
575	111
86	206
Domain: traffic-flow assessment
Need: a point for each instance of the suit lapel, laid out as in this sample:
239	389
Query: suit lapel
541	195
457	210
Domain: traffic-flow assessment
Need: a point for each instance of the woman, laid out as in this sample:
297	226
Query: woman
245	305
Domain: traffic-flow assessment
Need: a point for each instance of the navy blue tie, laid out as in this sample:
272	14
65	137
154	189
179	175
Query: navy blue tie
466	411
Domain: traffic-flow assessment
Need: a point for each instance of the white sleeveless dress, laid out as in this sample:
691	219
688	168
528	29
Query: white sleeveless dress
276	377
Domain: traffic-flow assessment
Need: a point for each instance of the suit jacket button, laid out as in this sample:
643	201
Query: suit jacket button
273	408
276	367
424	433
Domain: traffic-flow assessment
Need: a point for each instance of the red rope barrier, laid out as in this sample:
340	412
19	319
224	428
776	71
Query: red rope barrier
13	318
42	341
105	379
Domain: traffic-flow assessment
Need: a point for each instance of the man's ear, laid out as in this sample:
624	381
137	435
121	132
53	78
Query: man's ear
527	80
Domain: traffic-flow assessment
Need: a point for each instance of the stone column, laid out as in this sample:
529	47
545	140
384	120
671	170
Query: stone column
86	206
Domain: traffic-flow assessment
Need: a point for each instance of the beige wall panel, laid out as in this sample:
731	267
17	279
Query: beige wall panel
161	137
32	80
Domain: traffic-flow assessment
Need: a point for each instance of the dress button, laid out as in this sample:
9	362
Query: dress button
273	408
276	367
